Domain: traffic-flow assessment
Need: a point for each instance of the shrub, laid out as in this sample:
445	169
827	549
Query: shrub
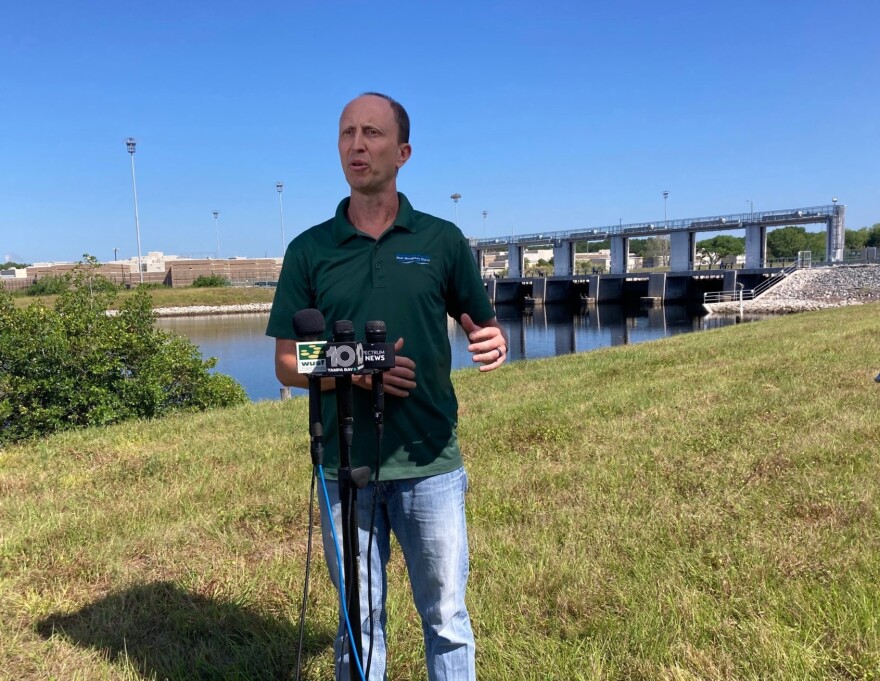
210	281
50	284
78	366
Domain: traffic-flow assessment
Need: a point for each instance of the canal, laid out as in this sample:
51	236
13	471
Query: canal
244	352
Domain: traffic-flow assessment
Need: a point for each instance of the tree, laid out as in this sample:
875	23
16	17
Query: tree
10	265
591	246
874	236
720	247
638	247
76	365
210	281
786	242
856	239
657	248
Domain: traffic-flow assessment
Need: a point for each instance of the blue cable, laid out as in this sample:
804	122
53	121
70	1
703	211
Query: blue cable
353	646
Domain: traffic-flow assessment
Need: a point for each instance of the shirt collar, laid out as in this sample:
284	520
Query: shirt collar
343	230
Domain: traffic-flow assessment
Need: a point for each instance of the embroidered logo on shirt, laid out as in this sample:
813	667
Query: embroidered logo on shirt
413	258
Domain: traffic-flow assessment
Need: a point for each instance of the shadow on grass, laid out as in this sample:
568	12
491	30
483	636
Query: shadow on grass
169	633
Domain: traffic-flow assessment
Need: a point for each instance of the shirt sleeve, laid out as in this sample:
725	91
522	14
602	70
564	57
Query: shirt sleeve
293	293
466	292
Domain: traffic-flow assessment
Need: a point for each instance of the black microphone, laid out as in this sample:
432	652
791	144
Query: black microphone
374	334
343	333
308	325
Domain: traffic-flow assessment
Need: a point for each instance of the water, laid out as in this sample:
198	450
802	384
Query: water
247	354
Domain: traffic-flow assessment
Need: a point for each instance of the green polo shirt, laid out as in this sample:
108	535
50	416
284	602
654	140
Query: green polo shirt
418	272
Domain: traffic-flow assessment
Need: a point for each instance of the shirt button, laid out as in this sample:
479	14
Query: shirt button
378	265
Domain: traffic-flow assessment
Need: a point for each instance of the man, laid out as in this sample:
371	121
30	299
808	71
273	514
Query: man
379	259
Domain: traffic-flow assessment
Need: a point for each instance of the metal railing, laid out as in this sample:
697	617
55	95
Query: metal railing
704	223
741	294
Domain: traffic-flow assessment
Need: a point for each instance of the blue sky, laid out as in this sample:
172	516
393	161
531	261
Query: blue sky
550	115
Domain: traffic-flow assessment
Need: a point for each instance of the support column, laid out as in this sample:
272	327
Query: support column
619	254
593	288
657	286
836	234
682	247
730	280
756	245
563	258
514	261
491	285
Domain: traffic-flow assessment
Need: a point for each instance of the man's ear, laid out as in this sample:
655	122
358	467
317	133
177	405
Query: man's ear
405	151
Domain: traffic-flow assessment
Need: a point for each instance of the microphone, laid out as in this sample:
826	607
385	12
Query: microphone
308	324
341	354
374	333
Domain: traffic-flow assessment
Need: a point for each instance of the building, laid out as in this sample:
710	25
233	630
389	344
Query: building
158	268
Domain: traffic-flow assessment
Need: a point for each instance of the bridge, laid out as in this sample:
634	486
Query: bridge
682	235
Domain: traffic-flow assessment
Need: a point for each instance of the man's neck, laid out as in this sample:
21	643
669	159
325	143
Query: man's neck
373	213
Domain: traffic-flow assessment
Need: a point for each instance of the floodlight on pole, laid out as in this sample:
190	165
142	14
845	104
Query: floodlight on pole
280	187
455	197
665	196
130	143
485	215
216	215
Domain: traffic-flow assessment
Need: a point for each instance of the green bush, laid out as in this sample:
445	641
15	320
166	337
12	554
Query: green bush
50	284
76	365
210	281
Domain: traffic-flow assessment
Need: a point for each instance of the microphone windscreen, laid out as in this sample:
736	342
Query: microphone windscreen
308	324
374	332
343	330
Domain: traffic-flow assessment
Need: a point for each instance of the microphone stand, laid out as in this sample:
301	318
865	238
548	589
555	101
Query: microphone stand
316	428
350	480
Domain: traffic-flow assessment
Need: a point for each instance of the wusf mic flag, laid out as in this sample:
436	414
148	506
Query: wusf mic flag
311	357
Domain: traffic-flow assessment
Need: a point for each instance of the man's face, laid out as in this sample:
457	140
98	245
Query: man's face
368	145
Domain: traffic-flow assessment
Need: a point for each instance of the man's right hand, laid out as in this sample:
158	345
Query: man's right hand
399	380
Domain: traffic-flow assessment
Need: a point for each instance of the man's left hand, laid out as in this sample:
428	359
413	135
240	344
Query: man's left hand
488	344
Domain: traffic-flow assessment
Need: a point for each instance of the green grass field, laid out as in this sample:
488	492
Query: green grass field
700	507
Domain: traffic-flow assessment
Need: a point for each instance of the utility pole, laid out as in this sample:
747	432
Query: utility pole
216	215
280	187
455	197
131	143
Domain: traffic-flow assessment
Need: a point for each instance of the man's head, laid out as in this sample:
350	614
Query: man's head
373	142
400	115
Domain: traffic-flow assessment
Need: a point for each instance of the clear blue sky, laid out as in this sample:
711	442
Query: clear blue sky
548	115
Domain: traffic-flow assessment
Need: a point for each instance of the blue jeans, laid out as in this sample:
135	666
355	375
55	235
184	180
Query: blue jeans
428	520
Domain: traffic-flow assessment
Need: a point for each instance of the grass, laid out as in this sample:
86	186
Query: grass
700	507
180	297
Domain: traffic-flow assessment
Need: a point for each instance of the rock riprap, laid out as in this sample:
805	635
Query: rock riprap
813	289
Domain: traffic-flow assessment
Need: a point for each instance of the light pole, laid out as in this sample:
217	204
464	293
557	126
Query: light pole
485	215
216	215
280	187
455	197
130	143
115	251
751	209
665	221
